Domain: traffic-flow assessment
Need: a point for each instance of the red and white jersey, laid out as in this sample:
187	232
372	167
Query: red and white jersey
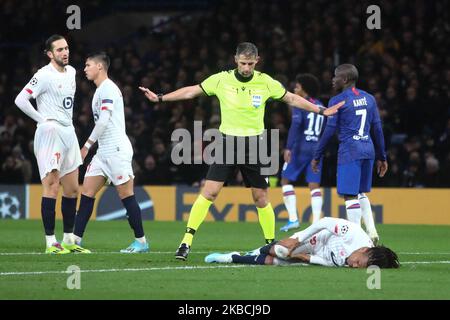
114	139
54	92
331	240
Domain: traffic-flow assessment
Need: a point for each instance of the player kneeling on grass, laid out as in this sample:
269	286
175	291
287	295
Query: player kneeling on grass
329	242
112	162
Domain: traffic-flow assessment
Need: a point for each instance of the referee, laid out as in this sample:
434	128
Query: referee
242	94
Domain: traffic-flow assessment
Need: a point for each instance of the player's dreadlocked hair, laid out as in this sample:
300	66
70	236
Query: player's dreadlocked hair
247	49
309	83
382	257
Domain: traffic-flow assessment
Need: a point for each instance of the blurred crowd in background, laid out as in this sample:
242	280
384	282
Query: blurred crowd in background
405	65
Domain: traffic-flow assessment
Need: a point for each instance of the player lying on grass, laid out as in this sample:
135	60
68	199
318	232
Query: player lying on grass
329	242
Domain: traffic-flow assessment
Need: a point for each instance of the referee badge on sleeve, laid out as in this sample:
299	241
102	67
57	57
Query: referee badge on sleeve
256	100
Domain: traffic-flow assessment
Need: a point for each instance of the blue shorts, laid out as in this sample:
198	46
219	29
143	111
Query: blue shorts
354	177
293	169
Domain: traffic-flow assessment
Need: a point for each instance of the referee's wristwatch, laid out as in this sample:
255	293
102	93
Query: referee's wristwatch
160	95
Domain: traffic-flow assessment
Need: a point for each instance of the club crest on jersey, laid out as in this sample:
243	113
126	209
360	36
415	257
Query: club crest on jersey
256	100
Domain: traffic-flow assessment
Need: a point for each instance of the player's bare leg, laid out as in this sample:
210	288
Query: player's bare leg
290	202
367	217
91	185
126	195
198	213
50	186
211	189
69	183
265	213
126	189
70	187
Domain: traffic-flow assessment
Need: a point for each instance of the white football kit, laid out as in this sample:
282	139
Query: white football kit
55	142
114	154
330	241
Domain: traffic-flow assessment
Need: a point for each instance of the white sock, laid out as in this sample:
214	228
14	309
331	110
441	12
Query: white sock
353	211
316	204
76	239
141	240
50	240
367	215
68	238
290	201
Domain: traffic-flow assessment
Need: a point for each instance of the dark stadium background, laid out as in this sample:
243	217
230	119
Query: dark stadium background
165	45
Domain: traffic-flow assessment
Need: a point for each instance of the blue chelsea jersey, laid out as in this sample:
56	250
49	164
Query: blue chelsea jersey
353	123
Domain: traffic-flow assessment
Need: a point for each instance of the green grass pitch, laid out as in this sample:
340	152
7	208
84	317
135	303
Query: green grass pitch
26	273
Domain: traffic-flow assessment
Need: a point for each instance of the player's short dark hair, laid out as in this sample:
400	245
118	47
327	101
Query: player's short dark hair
49	42
309	83
101	57
349	71
247	49
382	257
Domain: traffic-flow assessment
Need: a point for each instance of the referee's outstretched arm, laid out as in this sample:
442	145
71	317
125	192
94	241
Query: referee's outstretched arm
184	93
299	102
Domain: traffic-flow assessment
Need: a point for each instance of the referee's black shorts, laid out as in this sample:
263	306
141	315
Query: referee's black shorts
251	172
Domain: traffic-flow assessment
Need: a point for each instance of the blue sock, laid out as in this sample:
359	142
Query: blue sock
83	215
134	215
48	215
266	248
68	209
249	259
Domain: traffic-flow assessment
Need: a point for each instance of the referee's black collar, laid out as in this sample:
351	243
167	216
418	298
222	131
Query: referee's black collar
242	78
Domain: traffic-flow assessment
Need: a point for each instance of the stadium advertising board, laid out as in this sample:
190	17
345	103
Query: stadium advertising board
169	203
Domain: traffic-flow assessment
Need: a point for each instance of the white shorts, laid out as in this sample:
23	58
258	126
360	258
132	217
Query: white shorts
56	147
115	168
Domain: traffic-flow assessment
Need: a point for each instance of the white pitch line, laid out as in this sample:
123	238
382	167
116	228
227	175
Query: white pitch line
123	270
99	252
426	262
175	268
419	253
196	252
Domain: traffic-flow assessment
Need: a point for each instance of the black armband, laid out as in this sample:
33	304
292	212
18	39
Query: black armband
321	110
160	96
